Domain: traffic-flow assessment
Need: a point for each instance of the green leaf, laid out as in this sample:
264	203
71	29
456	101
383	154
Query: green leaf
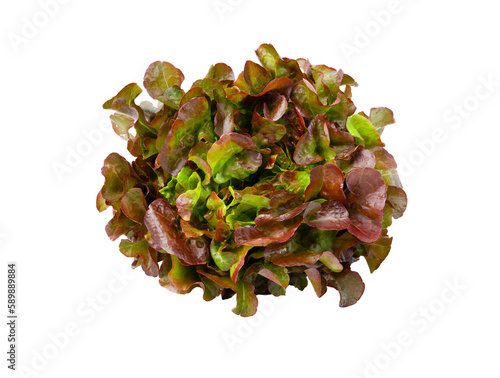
101	202
274	273
270	59
129	93
255	75
388	214
204	167
211	290
364	131
277	274
331	261
223	260
172	97
211	87
268	56
186	202
181	278
299	280
232	157
246	300
294	181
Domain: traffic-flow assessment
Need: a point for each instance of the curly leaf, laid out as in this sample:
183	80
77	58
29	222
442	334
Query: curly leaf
161	223
271	131
193	124
114	170
274	273
133	205
327	82
172	97
376	252
326	181
329	215
318	282
384	160
224	118
240	253
285	205
223	260
129	93
270	59
275	106
367	211
180	278
231	157
396	198
381	117
306	99
331	261
160	76
314	145
294	181
255	75
221	72
267	231
291	253
246	300
349	284
142	249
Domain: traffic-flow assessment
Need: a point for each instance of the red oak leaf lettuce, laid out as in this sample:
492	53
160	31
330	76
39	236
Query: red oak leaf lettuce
244	185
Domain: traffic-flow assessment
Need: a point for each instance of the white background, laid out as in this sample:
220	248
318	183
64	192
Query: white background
422	61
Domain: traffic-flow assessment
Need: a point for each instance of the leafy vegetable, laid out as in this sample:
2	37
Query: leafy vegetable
244	185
